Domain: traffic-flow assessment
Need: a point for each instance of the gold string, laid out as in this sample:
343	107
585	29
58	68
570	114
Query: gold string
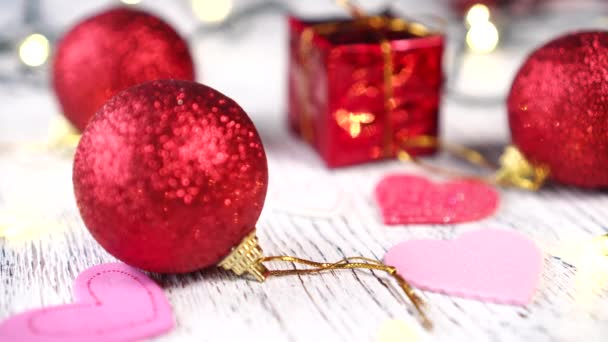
349	263
514	170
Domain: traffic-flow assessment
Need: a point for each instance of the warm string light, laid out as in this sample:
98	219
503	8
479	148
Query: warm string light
34	50
478	13
212	11
482	36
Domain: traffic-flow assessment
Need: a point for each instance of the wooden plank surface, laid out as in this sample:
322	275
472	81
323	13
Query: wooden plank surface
322	215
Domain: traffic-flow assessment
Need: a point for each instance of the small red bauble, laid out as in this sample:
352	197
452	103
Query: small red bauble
558	108
110	52
170	175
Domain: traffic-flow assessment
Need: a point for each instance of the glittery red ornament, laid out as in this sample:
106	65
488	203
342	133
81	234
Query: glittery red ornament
558	108
170	175
110	52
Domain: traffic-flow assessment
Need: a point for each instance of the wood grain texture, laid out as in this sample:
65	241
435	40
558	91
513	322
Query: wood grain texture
214	305
312	213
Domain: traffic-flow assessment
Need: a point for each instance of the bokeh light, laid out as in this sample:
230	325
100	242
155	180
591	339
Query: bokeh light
396	330
590	257
478	13
130	2
62	135
482	37
34	50
19	225
212	11
601	245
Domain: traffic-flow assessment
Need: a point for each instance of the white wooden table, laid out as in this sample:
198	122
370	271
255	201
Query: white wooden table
311	212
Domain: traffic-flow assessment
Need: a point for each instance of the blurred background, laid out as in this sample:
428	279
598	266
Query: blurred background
240	46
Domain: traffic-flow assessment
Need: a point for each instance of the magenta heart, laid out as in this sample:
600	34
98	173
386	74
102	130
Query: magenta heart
113	302
406	199
490	265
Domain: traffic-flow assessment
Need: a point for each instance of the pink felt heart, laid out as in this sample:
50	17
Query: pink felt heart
490	265
113	302
406	199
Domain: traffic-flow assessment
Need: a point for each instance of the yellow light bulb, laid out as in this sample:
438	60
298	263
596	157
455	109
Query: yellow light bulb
211	11
478	13
34	50
482	37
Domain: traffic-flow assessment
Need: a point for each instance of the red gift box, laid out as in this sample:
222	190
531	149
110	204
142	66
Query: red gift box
360	88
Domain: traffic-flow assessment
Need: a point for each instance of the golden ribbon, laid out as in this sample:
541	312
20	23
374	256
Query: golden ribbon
514	170
248	258
350	263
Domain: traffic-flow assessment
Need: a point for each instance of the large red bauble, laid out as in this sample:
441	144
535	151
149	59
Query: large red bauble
110	52
170	175
558	108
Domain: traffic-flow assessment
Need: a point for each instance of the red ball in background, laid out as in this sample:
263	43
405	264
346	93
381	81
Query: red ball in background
558	108
170	175
110	52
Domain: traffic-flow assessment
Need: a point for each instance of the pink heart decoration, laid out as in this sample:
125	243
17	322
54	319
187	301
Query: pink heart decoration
406	199
114	302
488	265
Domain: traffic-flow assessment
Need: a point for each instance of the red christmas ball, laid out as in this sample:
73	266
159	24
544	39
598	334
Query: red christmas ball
170	175
558	108
110	52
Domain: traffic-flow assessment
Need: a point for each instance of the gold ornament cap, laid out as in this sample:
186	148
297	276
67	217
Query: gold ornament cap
517	171
245	258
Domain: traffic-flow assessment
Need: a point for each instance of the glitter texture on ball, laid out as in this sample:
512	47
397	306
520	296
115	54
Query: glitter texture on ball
558	108
110	52
170	175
